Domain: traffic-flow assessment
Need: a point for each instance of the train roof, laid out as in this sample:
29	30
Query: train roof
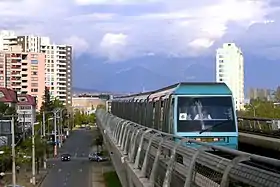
182	88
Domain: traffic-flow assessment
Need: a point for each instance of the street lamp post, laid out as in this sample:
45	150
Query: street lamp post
33	152
13	151
55	141
254	110
61	126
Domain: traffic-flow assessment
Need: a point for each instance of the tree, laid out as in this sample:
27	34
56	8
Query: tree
56	103
91	118
261	108
46	104
6	109
100	106
99	142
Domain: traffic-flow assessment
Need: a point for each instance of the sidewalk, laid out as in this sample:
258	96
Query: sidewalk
97	178
23	178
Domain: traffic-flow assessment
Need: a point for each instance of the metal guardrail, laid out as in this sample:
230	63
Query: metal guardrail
162	162
260	126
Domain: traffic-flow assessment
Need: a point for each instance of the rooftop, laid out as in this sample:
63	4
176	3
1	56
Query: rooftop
8	95
26	100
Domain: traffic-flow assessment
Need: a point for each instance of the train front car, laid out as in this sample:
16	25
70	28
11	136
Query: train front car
205	112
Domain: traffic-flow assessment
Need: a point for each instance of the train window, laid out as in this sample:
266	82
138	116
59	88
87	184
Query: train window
198	113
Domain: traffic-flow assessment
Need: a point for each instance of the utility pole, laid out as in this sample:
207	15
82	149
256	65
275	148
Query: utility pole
55	146
44	124
44	135
33	152
61	121
13	151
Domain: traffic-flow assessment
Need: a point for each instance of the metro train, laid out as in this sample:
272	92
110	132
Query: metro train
201	111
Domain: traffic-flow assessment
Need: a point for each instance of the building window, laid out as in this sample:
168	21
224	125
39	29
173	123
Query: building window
221	61
34	84
34	90
34	73
25	107
221	56
221	79
34	61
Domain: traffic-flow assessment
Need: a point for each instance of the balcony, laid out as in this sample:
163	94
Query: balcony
16	73
15	79
16	67
16	61
15	56
14	84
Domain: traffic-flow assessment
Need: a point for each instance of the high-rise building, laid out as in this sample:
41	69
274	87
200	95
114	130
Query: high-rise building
230	70
7	39
23	72
58	64
58	70
32	43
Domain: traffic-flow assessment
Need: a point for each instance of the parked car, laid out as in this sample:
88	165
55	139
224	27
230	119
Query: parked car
97	157
65	157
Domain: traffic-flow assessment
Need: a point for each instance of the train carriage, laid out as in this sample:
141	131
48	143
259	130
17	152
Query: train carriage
202	111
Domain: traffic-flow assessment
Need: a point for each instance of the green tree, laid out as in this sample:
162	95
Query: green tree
91	118
6	109
261	108
46	103
100	106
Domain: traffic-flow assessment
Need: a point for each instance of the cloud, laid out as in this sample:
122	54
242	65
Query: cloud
201	42
113	45
114	2
80	45
118	29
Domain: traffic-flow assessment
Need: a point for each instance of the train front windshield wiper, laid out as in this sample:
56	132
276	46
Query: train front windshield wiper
210	128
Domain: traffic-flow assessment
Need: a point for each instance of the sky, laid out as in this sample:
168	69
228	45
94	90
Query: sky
123	29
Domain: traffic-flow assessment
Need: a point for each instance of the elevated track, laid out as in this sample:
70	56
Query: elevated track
147	157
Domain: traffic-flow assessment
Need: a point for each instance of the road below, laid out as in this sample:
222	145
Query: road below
76	172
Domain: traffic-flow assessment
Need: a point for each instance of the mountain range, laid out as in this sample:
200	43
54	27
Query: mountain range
153	72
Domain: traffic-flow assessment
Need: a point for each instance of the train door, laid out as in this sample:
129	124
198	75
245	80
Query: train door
171	115
165	115
149	114
157	114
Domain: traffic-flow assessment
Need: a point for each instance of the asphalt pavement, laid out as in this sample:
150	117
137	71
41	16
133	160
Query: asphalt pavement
76	172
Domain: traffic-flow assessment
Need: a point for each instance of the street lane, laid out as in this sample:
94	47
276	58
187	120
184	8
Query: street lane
76	172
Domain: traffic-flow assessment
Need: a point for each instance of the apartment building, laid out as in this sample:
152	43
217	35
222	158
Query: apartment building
31	43
58	61
58	69
7	39
230	70
26	110
23	72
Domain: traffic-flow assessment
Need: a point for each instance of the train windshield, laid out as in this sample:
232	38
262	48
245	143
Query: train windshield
195	114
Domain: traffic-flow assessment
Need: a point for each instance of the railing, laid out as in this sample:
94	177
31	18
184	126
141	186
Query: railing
160	161
263	126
